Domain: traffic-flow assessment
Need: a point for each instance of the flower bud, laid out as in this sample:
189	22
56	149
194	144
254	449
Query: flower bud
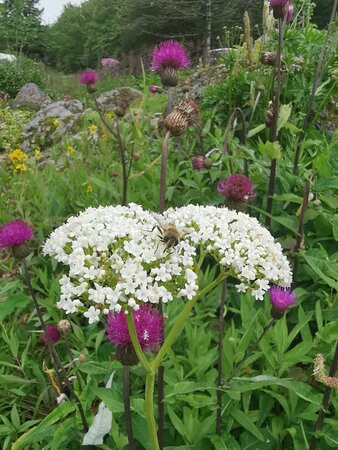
207	163
82	357
64	326
169	77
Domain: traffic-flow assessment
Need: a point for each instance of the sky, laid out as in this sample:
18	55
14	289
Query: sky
53	8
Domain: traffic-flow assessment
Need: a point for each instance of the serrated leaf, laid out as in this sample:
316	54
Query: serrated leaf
284	115
270	149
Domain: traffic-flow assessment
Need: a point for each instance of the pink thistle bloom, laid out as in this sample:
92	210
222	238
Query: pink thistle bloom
15	233
169	54
53	333
281	298
237	188
290	13
278	2
109	63
148	324
88	77
197	162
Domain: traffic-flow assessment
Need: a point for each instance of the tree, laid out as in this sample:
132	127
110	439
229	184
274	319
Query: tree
21	28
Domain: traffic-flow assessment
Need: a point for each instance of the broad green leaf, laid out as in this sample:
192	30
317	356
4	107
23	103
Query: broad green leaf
284	115
106	395
245	421
177	423
313	263
271	149
14	302
335	226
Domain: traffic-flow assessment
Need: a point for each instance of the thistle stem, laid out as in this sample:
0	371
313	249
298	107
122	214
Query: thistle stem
124	165
325	404
163	177
57	361
274	127
136	342
220	356
127	411
250	351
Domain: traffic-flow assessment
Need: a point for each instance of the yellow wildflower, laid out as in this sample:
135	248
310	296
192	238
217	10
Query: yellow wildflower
21	167
92	129
89	188
70	149
55	123
17	156
109	115
37	153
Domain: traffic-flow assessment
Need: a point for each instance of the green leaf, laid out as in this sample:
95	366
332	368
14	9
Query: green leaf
177	423
284	115
16	301
246	423
313	263
256	130
271	149
335	226
106	395
58	413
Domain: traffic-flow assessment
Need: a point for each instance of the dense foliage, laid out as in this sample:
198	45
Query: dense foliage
274	400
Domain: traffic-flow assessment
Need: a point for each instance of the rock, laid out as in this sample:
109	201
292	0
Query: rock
32	97
51	123
120	97
7	57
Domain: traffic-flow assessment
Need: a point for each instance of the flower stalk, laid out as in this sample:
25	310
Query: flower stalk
220	356
163	176
274	125
57	361
127	410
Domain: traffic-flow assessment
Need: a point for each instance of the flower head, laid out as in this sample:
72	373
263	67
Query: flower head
53	333
64	325
17	156
116	260
155	89
109	63
148	324
170	54
197	162
281	299
15	233
236	188
20	168
89	77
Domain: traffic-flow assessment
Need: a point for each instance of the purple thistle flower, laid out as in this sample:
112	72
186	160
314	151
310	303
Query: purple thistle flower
281	299
109	63
148	324
89	77
290	13
53	333
237	188
15	233
197	162
169	54
278	2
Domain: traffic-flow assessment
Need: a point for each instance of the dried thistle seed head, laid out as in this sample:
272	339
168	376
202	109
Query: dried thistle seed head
64	325
269	58
176	122
191	110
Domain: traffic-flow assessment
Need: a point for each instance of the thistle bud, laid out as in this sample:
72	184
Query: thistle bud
169	77
82	357
64	326
207	163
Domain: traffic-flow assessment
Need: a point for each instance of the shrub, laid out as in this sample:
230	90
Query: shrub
15	75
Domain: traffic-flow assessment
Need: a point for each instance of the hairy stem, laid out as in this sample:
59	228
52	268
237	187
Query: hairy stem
274	127
326	400
150	411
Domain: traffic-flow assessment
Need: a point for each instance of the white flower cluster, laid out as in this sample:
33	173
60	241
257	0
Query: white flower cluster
117	258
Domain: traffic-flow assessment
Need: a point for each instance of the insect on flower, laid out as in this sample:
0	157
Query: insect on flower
169	235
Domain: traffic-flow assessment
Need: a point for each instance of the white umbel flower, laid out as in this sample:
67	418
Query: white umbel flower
117	259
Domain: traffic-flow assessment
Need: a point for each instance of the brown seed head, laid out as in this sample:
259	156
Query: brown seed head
64	325
176	122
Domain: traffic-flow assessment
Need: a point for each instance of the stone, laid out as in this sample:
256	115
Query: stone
51	123
120	97
31	97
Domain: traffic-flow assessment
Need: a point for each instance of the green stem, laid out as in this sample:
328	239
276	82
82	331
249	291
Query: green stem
179	324
136	343
150	412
